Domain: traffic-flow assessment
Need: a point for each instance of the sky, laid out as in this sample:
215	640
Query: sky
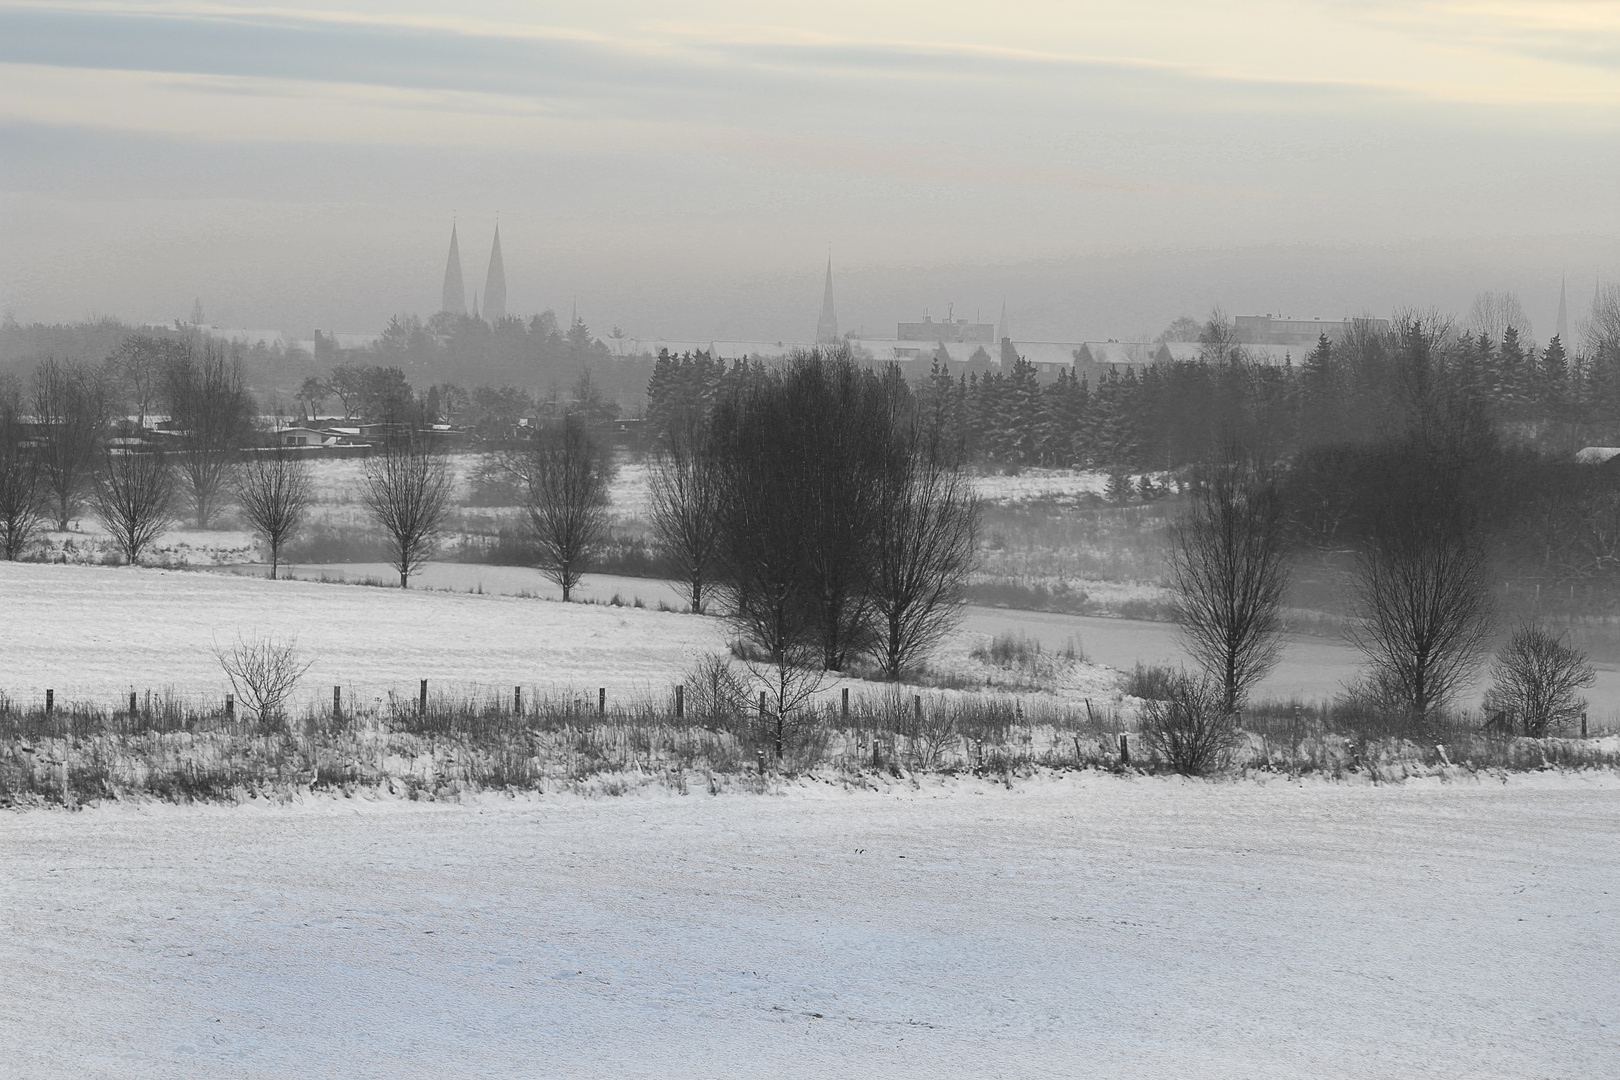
685	170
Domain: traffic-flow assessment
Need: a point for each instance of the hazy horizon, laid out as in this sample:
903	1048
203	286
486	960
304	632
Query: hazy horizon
1099	168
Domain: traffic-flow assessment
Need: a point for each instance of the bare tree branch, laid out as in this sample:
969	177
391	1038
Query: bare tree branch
274	491
134	497
407	489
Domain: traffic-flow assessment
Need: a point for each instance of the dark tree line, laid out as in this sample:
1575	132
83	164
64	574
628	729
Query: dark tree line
818	499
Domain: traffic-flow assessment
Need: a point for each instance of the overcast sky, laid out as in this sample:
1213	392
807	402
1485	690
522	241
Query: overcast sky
683	169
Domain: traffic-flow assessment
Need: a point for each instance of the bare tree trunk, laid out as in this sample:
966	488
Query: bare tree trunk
134	497
566	477
407	489
1228	567
274	491
70	409
211	411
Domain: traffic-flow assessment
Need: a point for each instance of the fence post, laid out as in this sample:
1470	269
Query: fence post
680	700
843	708
337	702
762	706
134	707
1583	725
916	710
1124	749
517	701
230	706
601	701
50	702
421	702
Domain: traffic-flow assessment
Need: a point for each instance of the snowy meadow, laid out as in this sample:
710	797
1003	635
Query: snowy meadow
1074	925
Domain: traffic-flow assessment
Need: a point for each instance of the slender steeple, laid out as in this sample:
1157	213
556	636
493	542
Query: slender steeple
827	325
495	283
1563	313
455	294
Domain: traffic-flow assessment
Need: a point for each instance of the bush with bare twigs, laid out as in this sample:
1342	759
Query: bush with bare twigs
1534	681
1191	729
263	672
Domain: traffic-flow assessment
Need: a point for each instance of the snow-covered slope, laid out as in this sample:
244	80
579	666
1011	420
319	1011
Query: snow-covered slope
1076	926
95	633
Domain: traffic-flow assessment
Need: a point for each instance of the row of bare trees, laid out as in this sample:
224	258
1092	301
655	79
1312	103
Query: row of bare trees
1421	580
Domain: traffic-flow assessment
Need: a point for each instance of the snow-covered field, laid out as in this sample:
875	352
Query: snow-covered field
1039	484
95	633
1082	925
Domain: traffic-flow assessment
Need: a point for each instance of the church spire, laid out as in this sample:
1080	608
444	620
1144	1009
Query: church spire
1563	312
455	294
495	283
827	325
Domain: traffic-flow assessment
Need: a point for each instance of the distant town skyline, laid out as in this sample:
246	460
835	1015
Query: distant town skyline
1103	167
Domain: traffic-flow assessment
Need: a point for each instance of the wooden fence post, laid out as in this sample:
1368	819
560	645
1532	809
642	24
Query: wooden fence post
50	702
517	701
337	702
601	701
1124	749
230	706
916	711
680	700
762	706
1583	725
843	708
421	702
134	706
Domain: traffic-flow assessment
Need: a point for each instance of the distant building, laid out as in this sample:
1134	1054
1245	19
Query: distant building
495	283
959	332
1276	330
1170	352
827	325
270	339
455	293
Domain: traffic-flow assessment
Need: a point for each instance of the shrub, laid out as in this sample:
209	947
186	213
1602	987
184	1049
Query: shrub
263	673
1190	730
1535	678
1151	682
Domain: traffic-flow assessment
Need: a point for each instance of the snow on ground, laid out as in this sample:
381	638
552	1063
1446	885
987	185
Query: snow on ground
92	544
1082	925
1040	484
94	633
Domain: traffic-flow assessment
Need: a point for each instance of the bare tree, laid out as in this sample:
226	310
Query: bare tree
1422	587
134	497
263	673
20	487
1493	312
684	504
71	412
925	541
211	411
274	491
565	480
1229	573
140	363
1535	678
407	488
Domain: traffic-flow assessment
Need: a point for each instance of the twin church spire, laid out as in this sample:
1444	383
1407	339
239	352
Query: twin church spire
454	299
